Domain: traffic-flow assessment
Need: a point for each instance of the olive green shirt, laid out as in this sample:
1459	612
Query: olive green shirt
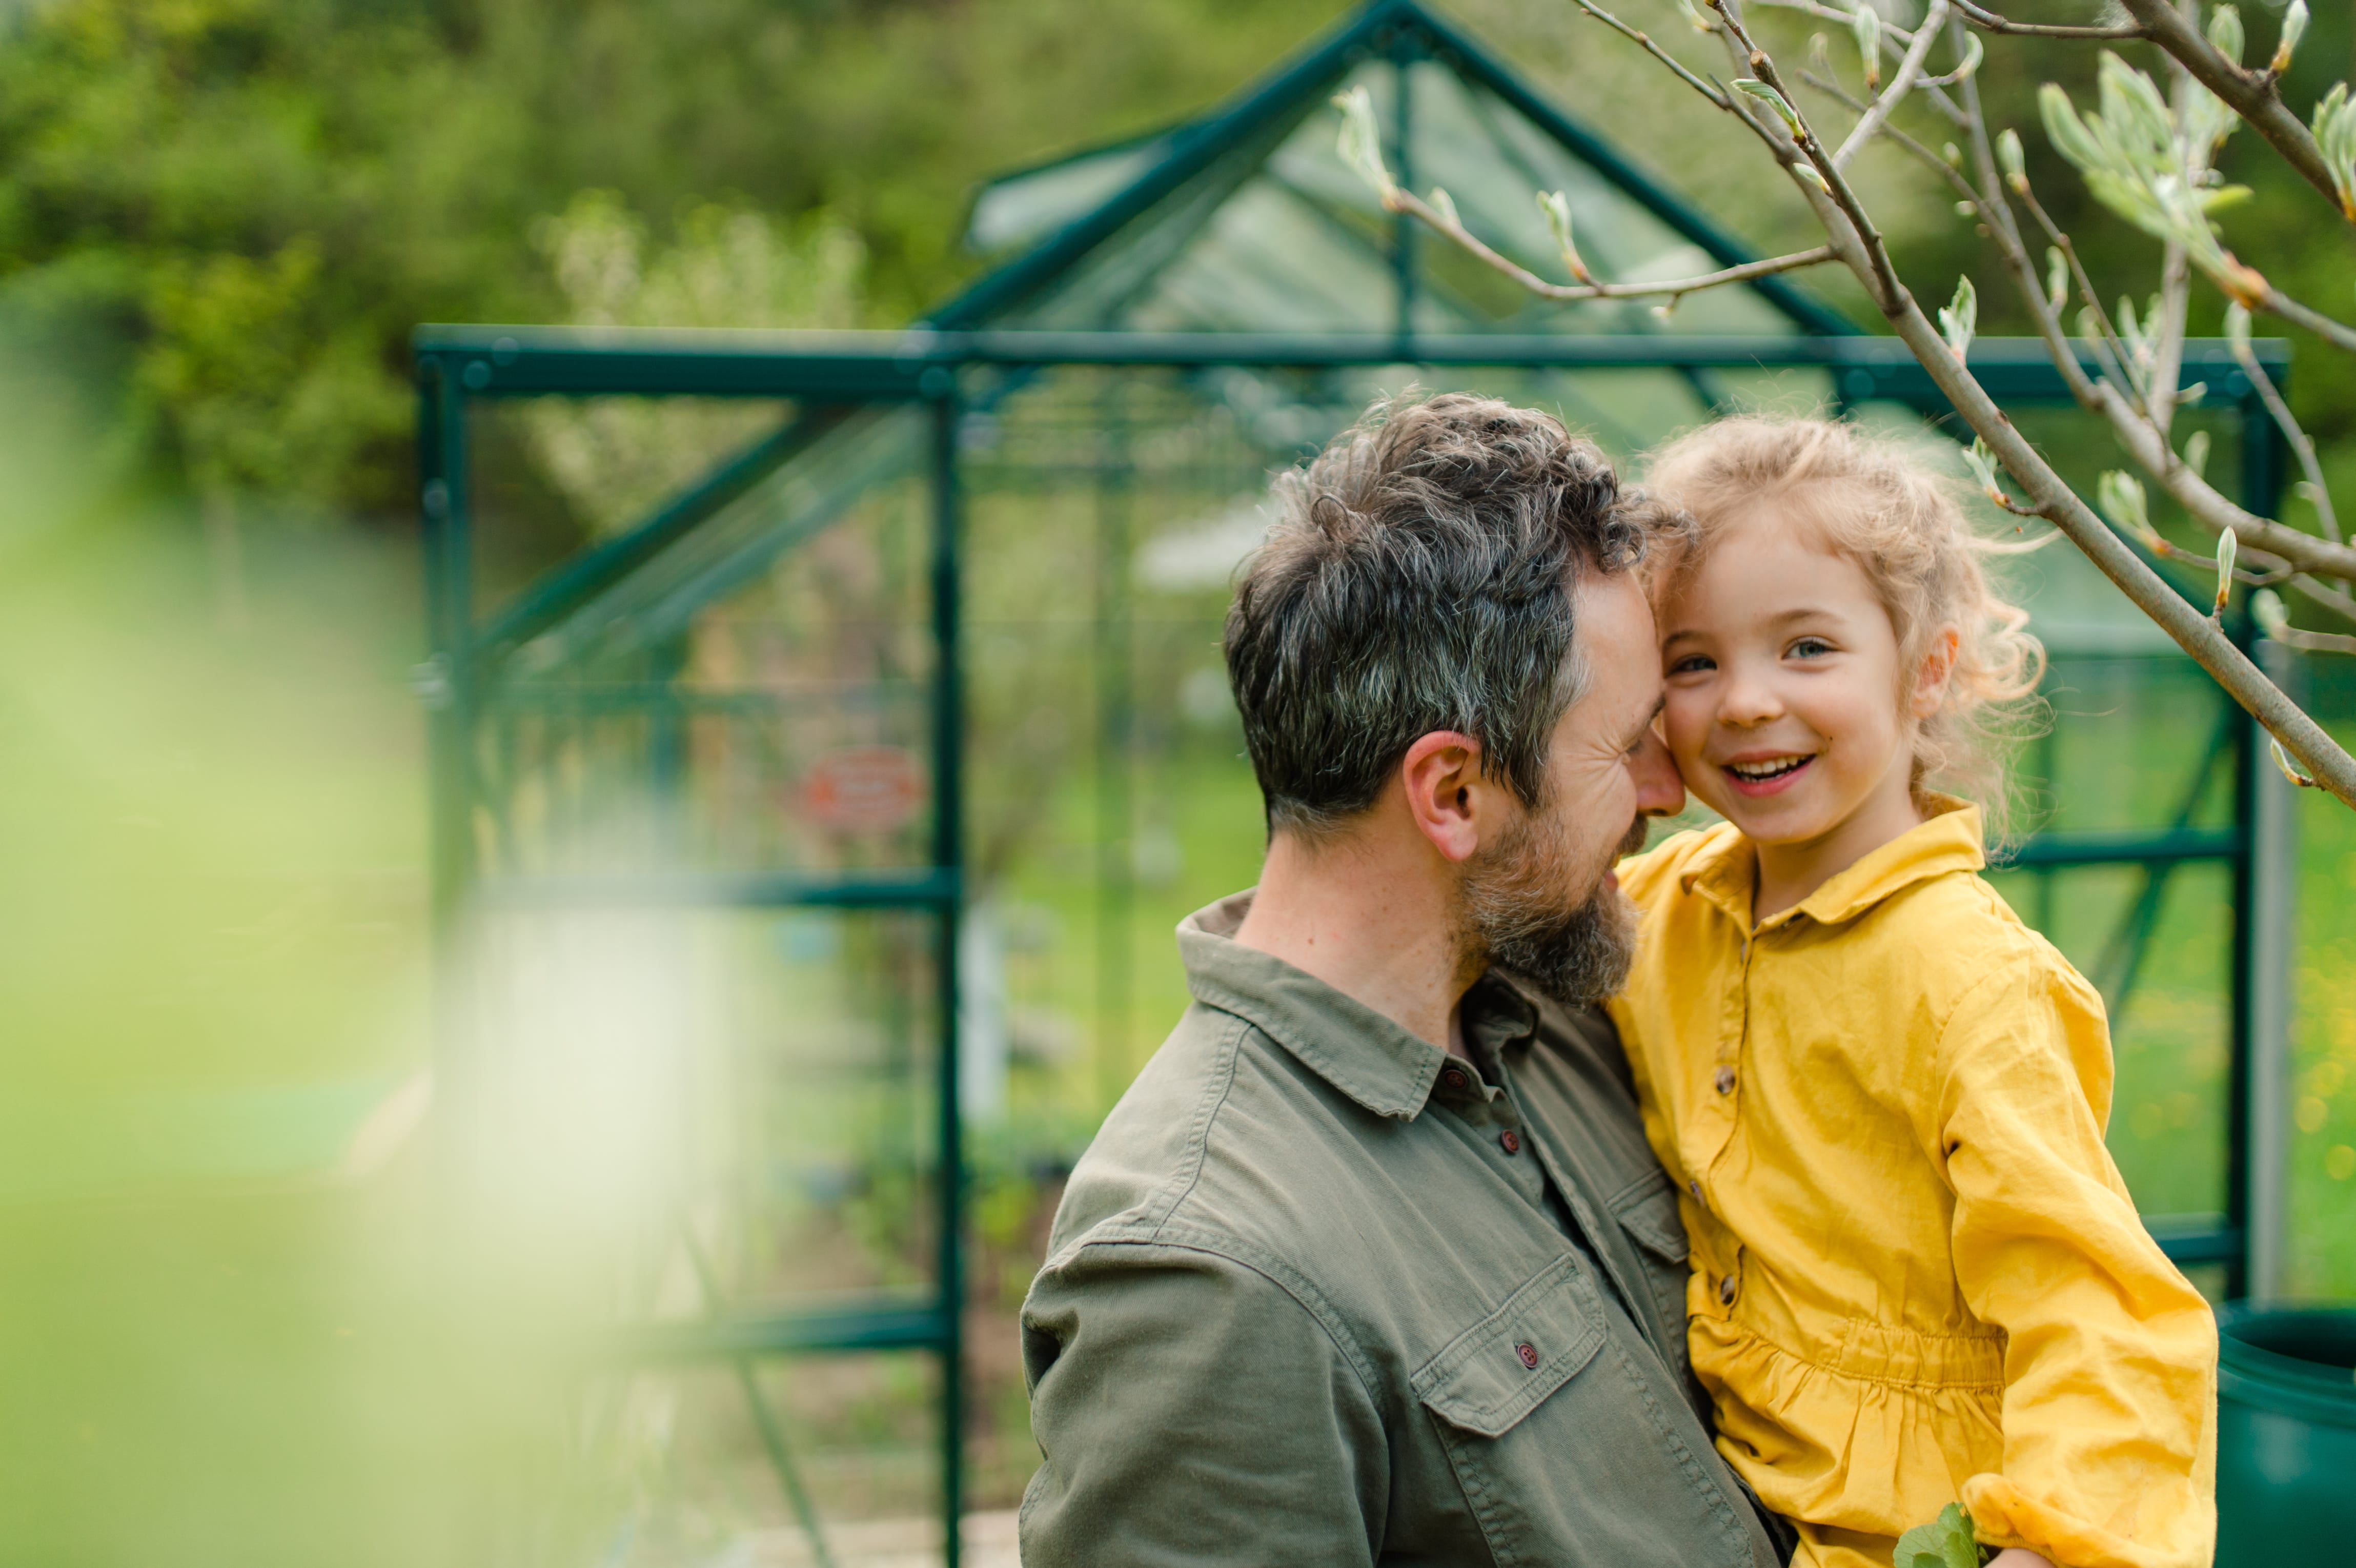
1321	1293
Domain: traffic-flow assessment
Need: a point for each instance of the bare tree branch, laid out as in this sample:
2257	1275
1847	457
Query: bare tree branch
1403	200
2315	641
1910	68
2332	599
1988	21
2301	443
2280	303
1706	89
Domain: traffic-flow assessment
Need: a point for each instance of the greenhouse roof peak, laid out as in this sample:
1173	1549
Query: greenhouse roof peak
1247	219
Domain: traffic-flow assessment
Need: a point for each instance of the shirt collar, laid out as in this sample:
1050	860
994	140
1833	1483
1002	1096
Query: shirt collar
1368	1056
1724	869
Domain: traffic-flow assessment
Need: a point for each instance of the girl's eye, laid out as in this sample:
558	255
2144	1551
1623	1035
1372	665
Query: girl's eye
1810	648
1691	663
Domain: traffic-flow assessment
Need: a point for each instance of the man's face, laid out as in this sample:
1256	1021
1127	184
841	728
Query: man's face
1540	898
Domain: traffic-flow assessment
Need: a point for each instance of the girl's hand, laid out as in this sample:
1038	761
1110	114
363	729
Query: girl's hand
2017	1557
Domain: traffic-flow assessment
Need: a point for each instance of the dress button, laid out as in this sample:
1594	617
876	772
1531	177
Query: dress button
1512	1141
1528	1354
1725	1081
1694	1187
1726	1290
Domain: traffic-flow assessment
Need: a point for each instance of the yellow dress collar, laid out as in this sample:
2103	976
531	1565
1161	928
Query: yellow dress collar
1726	869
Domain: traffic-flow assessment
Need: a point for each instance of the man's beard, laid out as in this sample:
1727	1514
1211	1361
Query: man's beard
1517	907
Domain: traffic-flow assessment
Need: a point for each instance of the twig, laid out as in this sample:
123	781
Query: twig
2297	315
1402	200
1706	89
2314	642
1909	67
2175	282
1988	21
2331	599
1894	298
2113	347
2300	441
1945	169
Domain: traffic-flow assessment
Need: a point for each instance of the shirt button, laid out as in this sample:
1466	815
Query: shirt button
1512	1140
1725	1081
1528	1354
1455	1078
1726	1290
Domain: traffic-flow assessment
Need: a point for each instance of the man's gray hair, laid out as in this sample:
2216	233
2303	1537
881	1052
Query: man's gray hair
1419	577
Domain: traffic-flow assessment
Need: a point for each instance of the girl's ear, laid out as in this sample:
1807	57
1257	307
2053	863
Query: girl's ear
1938	669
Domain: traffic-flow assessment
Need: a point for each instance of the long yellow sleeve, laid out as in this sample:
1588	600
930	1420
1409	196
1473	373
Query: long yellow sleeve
2109	1410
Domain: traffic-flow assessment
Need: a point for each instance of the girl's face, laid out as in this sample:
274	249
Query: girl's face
1784	705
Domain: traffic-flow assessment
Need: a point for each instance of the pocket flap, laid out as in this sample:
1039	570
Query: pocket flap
1648	1211
1496	1372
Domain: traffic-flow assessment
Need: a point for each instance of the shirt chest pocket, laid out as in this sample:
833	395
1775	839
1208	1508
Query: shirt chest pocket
1565	1451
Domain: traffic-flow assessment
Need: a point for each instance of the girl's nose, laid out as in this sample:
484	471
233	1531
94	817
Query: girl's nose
1748	701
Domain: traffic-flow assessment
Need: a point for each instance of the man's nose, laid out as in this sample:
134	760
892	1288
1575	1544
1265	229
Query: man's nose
1659	791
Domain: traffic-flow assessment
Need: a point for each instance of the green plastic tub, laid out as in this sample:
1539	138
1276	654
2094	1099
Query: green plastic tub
2286	1437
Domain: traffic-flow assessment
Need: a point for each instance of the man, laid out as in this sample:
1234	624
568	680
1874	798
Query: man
1371	1264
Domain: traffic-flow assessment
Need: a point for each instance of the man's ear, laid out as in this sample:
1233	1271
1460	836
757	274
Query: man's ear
1938	668
1442	774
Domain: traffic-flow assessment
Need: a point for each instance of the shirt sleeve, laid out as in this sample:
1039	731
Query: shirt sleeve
1190	1411
2110	1359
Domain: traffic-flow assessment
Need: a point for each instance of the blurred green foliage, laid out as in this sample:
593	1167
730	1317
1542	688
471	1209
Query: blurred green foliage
263	197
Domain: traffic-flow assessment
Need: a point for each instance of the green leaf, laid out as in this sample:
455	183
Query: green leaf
1947	1541
2267	609
2008	155
1974	52
1959	320
2065	130
1759	90
2225	33
1361	143
1866	23
2121	498
1982	462
2294	28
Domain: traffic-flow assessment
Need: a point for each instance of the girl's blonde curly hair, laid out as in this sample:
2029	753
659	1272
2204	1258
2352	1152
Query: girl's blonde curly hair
1875	501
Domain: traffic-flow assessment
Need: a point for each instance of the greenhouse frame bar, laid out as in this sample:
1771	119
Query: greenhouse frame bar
936	367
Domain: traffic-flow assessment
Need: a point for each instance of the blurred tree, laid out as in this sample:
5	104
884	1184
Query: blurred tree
616	458
263	197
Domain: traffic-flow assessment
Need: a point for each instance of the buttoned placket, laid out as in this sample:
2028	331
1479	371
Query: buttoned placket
1498	1123
1719	1094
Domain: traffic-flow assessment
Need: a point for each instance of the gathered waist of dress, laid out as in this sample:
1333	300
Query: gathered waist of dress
1970	1356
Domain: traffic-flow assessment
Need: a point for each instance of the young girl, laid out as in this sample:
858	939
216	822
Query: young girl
1917	1277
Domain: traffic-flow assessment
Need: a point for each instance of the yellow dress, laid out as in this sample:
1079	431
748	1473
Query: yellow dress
1917	1276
